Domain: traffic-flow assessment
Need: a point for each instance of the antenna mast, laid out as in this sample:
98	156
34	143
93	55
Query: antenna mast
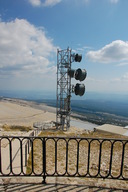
64	88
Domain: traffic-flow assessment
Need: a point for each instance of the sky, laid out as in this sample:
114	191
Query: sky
31	31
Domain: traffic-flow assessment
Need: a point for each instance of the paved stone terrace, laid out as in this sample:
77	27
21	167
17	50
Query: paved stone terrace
12	185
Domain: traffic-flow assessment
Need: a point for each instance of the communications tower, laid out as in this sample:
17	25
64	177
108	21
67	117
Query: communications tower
64	87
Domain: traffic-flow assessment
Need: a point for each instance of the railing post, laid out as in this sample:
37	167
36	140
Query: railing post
28	145
55	156
88	164
25	155
32	154
122	161
21	155
0	158
66	156
77	166
44	161
10	148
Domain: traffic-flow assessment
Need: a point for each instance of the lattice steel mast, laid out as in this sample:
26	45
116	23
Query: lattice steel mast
64	89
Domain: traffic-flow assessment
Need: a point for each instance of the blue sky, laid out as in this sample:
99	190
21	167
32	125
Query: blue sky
32	30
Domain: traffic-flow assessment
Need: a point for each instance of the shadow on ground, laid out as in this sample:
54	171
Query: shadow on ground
53	187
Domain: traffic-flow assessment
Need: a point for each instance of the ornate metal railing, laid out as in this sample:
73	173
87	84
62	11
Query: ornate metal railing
63	157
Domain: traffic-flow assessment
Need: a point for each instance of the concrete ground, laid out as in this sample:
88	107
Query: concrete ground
24	185
112	129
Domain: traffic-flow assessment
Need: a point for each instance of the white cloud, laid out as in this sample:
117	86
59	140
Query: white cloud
83	49
125	77
46	3
51	2
122	79
35	3
109	85
24	49
117	51
111	1
86	1
114	1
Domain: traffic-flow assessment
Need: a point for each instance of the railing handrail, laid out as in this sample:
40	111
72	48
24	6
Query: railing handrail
67	137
